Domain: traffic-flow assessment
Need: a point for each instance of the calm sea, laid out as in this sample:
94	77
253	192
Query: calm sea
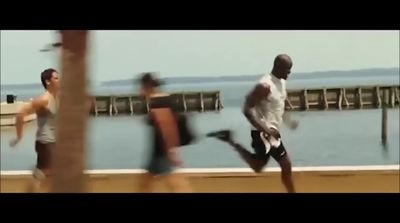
323	138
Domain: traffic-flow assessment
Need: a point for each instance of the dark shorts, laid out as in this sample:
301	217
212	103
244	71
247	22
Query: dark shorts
160	166
43	151
261	151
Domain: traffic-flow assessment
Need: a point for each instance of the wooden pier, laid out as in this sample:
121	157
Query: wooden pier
362	97
135	105
347	98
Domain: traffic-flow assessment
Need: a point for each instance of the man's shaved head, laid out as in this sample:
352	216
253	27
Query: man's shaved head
283	60
282	66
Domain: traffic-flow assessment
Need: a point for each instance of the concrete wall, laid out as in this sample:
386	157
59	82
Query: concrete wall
353	179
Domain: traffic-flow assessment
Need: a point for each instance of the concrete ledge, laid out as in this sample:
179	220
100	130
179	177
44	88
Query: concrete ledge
307	179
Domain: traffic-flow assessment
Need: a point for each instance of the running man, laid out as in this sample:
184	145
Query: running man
45	107
264	108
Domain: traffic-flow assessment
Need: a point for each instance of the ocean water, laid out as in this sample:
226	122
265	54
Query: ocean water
324	138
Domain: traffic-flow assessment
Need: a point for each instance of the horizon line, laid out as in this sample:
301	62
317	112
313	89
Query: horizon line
221	76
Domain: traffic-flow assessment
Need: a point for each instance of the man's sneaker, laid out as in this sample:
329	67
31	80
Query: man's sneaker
224	135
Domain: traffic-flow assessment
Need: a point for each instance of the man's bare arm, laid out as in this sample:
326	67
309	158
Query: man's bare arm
27	109
292	124
259	92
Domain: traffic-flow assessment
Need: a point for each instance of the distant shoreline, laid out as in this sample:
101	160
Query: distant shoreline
238	78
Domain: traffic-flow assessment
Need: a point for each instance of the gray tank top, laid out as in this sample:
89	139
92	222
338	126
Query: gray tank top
46	120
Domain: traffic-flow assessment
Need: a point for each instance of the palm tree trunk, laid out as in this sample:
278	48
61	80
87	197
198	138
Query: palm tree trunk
69	154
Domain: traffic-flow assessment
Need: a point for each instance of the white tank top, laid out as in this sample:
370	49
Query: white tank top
271	109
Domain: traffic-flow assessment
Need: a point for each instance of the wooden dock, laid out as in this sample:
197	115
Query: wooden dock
362	97
135	105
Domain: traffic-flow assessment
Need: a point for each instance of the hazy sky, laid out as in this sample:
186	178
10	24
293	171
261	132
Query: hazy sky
122	54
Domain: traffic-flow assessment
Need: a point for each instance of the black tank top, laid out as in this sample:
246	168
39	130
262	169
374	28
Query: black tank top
185	132
157	146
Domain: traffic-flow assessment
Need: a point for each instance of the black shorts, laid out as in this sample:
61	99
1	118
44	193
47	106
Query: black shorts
43	151
261	151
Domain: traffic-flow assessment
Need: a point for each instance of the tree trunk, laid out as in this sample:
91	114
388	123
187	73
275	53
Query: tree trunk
69	154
